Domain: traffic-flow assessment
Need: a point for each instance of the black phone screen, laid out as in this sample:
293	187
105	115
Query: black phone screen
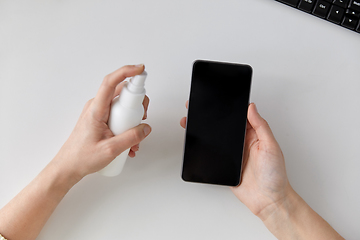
216	122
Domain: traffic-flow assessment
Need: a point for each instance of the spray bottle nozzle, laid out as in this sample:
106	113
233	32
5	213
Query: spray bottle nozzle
137	83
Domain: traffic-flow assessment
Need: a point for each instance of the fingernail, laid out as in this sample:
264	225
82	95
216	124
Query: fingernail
139	65
255	107
147	130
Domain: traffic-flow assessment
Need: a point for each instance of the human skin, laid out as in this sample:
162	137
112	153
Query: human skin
266	191
90	147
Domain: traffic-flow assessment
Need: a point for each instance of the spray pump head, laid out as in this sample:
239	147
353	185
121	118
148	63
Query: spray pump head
137	83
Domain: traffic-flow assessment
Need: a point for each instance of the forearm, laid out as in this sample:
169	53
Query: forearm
295	219
26	214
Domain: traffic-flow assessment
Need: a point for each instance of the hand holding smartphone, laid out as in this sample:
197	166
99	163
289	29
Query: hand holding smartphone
216	122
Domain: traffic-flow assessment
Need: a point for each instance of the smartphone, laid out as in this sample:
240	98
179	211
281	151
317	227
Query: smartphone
216	122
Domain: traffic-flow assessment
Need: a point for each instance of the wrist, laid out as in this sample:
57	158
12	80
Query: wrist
282	204
293	218
60	176
278	216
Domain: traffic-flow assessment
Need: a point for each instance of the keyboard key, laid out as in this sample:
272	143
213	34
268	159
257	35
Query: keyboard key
293	3
341	3
307	5
358	28
352	13
350	23
336	14
355	5
322	8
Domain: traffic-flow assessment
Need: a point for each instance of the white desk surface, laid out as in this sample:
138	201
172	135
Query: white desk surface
54	55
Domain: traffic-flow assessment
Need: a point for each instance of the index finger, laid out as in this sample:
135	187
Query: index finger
104	96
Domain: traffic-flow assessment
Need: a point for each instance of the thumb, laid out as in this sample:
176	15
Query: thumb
259	124
131	137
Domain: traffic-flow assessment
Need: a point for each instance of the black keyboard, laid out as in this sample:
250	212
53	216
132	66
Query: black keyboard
345	13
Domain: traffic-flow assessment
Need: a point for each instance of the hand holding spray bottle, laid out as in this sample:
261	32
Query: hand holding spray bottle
126	112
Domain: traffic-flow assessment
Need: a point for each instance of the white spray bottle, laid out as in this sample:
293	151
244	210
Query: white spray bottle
126	112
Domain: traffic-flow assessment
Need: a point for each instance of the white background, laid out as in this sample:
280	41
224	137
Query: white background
55	53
